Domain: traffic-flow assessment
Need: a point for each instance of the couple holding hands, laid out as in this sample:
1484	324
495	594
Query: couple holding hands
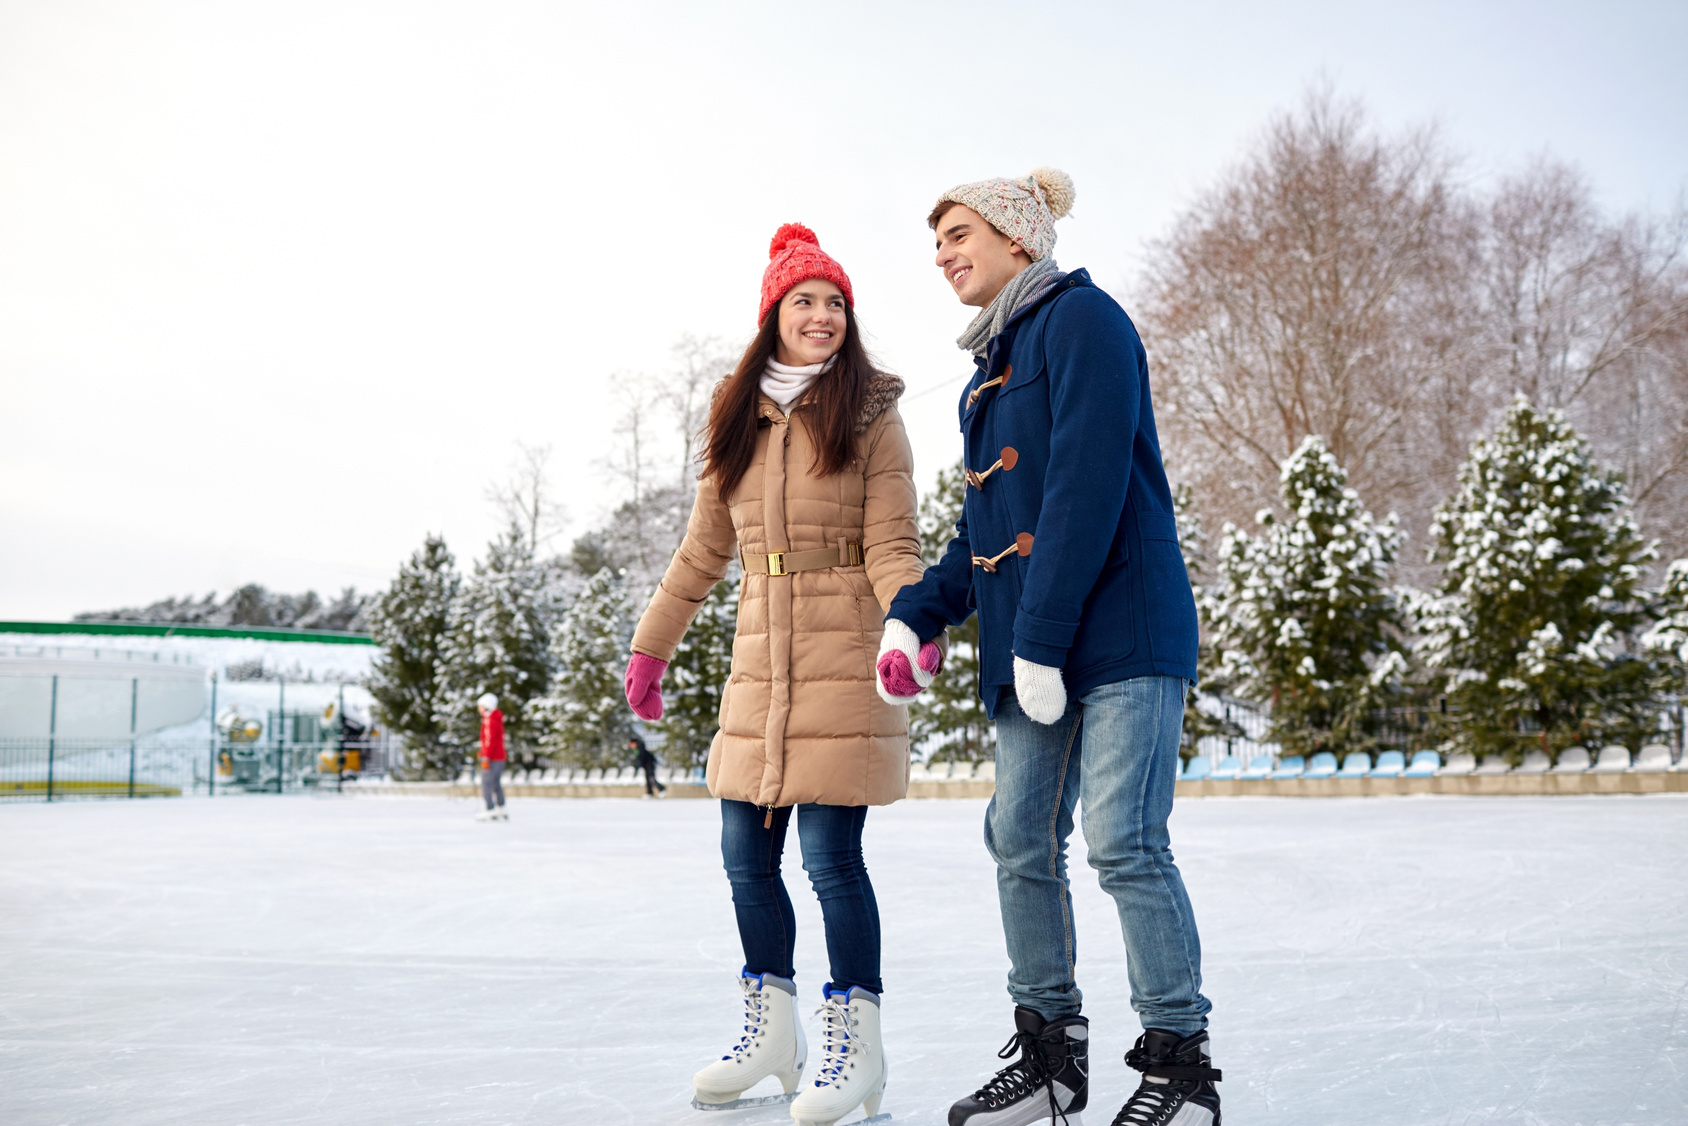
1067	551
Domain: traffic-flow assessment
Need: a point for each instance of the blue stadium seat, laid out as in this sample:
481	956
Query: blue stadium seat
1425	764
1321	765
1228	767
1197	769
1260	766
1357	764
1290	766
1389	765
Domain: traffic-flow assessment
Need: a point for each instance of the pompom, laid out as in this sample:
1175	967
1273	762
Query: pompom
1057	190
788	234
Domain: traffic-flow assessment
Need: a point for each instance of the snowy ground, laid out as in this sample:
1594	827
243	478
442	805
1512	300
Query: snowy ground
359	961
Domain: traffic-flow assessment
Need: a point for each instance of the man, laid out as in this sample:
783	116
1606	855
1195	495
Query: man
492	759
645	761
1068	550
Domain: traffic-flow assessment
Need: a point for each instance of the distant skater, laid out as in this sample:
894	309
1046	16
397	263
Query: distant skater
808	478
492	759
644	760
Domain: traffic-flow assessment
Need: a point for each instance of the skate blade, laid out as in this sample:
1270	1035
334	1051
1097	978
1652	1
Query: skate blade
744	1104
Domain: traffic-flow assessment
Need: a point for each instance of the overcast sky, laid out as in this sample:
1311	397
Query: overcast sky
281	285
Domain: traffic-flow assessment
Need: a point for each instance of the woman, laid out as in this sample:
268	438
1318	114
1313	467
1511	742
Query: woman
807	470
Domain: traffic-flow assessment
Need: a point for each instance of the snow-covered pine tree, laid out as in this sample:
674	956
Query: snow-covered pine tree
496	642
409	622
697	676
1541	561
1199	723
1303	615
587	720
1668	636
949	718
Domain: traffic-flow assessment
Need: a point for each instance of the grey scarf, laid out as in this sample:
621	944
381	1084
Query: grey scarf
1027	285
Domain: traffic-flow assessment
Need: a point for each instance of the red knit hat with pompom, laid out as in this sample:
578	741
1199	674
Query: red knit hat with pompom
795	256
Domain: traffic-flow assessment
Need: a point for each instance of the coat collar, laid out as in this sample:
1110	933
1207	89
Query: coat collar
1003	342
883	391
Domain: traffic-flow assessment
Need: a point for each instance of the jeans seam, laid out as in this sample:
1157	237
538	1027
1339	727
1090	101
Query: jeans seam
1055	847
1160	871
772	876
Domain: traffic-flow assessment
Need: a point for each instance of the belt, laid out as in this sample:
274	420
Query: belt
776	563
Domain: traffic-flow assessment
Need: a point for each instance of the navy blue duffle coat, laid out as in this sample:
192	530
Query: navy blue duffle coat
1100	590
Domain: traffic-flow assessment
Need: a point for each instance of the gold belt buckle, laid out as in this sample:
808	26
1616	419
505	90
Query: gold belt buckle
776	563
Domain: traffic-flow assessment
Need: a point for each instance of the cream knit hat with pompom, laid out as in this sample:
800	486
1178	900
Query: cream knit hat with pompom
1025	209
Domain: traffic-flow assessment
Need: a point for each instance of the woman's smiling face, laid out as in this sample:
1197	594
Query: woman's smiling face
812	323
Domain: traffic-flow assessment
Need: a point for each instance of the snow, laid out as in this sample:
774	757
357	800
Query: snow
357	960
301	660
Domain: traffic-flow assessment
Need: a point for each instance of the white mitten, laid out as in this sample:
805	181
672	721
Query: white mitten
1041	692
906	673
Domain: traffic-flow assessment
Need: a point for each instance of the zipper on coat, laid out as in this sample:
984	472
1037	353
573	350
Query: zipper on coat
768	821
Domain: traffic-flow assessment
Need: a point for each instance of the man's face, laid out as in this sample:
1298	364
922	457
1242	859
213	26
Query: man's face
976	258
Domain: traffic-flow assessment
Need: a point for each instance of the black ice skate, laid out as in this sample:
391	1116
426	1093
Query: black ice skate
1178	1079
1048	1083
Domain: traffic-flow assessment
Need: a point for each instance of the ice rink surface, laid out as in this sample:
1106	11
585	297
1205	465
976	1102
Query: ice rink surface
266	960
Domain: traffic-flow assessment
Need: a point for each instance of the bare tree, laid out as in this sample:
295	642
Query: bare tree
526	500
1591	316
700	363
1315	290
629	461
1343	284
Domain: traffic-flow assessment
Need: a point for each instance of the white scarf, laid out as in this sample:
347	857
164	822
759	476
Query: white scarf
785	384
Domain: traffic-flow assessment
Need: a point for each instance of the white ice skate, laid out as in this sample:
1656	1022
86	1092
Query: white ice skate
485	815
772	1044
851	1071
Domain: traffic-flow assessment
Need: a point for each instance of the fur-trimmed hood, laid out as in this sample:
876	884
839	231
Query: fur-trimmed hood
883	391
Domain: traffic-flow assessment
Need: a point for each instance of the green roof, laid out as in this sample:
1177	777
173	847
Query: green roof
171	629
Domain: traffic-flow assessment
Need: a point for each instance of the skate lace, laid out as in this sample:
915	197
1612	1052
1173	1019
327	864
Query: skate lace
1154	1102
1022	1076
755	1016
1148	1105
839	1039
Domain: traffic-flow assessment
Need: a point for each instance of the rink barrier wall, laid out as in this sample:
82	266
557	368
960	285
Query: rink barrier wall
1518	785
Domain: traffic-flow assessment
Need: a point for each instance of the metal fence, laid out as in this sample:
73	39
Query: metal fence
1402	729
64	769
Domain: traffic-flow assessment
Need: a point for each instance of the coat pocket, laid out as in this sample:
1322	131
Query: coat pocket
1168	602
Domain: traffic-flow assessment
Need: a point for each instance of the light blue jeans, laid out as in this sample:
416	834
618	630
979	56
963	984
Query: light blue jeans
1117	748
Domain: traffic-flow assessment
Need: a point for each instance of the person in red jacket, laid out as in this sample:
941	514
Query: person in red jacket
492	759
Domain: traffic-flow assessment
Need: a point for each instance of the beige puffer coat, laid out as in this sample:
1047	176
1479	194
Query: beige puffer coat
801	718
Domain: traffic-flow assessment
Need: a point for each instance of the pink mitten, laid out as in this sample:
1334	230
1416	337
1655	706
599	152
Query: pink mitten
931	658
905	666
643	685
895	676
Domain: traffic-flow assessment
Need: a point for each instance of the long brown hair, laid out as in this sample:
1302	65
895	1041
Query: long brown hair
834	403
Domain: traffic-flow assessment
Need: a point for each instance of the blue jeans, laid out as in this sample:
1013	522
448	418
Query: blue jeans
831	840
1117	747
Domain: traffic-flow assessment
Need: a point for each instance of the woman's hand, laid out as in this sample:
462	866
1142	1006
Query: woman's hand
643	686
906	667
